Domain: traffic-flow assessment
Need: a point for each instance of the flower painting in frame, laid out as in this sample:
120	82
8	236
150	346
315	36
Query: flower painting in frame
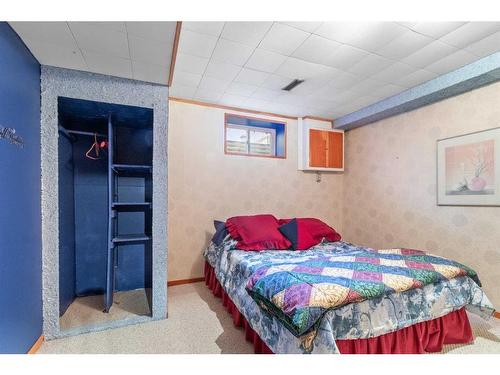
468	169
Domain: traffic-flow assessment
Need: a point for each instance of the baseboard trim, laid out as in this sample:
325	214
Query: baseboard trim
36	345
185	281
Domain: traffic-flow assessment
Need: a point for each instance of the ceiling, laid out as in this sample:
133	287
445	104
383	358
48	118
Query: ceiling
136	50
346	65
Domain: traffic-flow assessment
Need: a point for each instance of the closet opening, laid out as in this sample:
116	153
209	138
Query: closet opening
105	212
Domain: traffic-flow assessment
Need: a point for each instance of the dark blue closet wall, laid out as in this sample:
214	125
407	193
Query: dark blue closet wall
20	217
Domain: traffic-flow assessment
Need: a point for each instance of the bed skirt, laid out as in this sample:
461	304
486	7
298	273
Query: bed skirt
420	338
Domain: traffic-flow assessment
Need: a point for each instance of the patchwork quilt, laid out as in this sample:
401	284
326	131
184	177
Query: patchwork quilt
300	294
357	320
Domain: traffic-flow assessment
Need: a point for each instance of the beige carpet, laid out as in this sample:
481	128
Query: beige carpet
198	323
86	311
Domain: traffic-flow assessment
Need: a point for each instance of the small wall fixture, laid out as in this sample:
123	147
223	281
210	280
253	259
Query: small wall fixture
293	84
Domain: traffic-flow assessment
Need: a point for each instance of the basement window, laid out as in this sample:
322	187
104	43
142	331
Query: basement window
254	137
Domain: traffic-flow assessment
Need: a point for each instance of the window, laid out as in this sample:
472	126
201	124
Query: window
254	137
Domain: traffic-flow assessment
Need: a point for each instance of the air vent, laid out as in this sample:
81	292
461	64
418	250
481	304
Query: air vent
293	84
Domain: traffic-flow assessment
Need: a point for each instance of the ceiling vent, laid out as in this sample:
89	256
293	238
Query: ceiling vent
293	84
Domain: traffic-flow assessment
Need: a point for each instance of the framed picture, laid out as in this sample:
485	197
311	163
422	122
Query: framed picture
468	169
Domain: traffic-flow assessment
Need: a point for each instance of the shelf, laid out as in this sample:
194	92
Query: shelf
131	169
130	205
128	238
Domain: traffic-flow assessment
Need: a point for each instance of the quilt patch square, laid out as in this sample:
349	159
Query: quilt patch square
367	276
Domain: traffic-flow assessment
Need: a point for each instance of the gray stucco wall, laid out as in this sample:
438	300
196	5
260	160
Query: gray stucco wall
57	82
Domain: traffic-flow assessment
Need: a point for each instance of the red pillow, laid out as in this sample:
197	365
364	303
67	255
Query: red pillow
305	233
258	232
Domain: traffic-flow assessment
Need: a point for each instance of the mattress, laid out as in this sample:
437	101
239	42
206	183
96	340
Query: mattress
366	319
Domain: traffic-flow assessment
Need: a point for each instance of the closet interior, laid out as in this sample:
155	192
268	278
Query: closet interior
105	212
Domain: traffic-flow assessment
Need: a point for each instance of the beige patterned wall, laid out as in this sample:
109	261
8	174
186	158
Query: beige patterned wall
390	186
204	184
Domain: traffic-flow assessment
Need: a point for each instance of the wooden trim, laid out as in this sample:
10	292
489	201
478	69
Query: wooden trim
497	314
319	119
253	155
36	345
174	52
185	281
229	108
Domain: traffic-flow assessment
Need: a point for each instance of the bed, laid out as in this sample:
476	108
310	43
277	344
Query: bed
418	320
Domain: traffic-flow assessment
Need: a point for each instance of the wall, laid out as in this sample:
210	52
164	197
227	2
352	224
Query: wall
205	184
390	186
20	242
57	82
66	186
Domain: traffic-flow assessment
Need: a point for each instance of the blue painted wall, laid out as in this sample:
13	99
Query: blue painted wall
20	217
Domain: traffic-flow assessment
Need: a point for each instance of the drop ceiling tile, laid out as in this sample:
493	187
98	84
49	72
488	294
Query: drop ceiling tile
345	56
369	65
231	52
48	32
275	82
486	46
250	33
252	77
209	27
369	36
470	33
144	71
221	70
208	95
212	83
265	61
451	62
289	98
367	85
180	91
283	39
149	51
386	91
266	94
428	54
163	32
394	72
300	69
307	26
404	45
435	29
191	63
107	64
196	44
416	78
241	89
100	40
311	85
233	100
345	80
186	79
110	25
316	49
254	103
56	55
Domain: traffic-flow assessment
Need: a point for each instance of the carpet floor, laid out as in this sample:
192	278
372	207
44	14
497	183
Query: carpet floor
198	324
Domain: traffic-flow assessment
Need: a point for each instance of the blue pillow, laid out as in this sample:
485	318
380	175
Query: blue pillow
220	232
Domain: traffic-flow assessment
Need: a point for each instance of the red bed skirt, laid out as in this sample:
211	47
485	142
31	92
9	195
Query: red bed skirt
425	337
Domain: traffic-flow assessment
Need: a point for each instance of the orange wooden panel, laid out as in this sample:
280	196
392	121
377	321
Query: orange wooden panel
318	140
335	150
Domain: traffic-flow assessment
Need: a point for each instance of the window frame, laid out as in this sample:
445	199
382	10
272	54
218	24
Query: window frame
250	127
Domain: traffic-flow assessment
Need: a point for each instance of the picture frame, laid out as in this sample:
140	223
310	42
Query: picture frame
468	169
